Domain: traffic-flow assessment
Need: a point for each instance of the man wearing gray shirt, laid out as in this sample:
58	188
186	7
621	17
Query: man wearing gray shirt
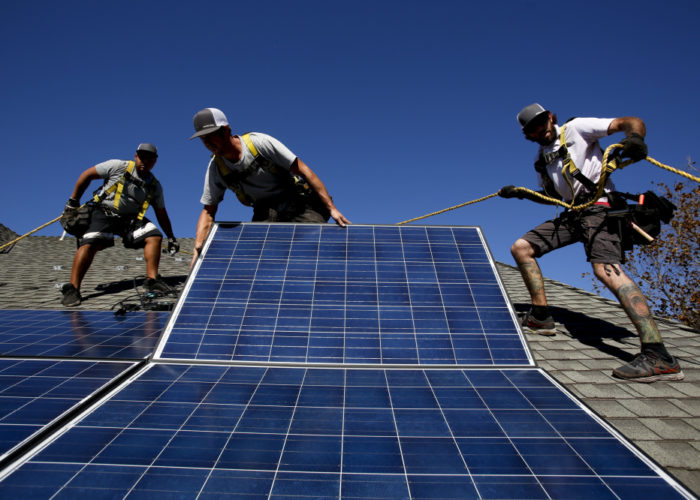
263	173
129	188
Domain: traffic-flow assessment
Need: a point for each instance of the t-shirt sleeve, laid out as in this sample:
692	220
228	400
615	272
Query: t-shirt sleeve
214	186
111	168
273	149
591	129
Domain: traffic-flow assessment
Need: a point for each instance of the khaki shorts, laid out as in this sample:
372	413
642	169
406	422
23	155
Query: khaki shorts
589	226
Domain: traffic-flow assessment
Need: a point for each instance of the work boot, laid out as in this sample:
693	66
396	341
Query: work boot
71	296
648	367
157	285
544	327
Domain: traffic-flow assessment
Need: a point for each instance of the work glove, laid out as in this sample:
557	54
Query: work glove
634	147
71	205
510	192
173	246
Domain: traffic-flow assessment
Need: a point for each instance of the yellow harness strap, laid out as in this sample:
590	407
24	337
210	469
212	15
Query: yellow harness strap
120	185
119	188
251	146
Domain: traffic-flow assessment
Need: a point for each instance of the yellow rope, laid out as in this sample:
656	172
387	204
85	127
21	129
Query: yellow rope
30	232
448	209
608	168
674	170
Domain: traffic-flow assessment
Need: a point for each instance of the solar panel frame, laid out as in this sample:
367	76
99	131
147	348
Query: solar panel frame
310	309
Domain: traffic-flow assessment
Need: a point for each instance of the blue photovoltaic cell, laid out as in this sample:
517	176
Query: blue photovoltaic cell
362	294
35	392
255	432
80	334
425	298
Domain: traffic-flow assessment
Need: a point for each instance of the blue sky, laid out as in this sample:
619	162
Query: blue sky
401	107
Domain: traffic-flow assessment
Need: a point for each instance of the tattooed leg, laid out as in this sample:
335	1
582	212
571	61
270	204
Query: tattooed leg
524	256
631	299
532	276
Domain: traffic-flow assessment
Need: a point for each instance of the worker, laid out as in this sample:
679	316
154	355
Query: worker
263	173
589	226
129	188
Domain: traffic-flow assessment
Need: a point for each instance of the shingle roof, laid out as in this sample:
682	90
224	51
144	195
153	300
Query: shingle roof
662	419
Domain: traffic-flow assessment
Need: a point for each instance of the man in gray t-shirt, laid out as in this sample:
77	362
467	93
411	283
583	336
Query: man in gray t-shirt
263	173
128	189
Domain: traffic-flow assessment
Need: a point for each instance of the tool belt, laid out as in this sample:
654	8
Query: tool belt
639	223
75	221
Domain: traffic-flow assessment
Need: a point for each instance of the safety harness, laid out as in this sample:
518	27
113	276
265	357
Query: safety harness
118	187
569	169
234	178
636	224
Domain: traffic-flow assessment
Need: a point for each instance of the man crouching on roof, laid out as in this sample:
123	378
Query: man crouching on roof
577	142
129	187
262	172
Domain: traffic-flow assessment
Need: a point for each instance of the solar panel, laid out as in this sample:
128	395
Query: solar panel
34	393
190	430
387	295
311	361
79	334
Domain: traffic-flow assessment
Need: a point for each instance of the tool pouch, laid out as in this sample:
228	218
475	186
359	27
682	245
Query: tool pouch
76	221
647	216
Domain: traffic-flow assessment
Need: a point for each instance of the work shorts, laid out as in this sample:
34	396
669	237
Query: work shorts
103	227
589	226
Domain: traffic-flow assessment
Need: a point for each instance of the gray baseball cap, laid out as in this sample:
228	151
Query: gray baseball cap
530	113
148	148
207	121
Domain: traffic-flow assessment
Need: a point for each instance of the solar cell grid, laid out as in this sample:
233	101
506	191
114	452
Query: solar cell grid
210	430
34	393
418	307
79	334
364	295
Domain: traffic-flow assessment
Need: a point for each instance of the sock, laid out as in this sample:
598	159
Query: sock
658	349
540	312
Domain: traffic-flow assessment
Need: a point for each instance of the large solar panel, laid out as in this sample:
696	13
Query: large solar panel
311	361
35	393
385	295
79	334
256	432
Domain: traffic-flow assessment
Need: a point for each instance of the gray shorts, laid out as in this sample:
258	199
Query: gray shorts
589	226
103	227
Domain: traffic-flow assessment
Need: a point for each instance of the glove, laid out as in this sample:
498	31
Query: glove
634	147
71	205
510	192
173	246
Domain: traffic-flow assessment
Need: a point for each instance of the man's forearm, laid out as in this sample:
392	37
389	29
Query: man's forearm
165	224
206	219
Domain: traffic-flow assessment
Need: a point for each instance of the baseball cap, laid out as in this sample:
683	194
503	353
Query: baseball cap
147	147
208	120
530	113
